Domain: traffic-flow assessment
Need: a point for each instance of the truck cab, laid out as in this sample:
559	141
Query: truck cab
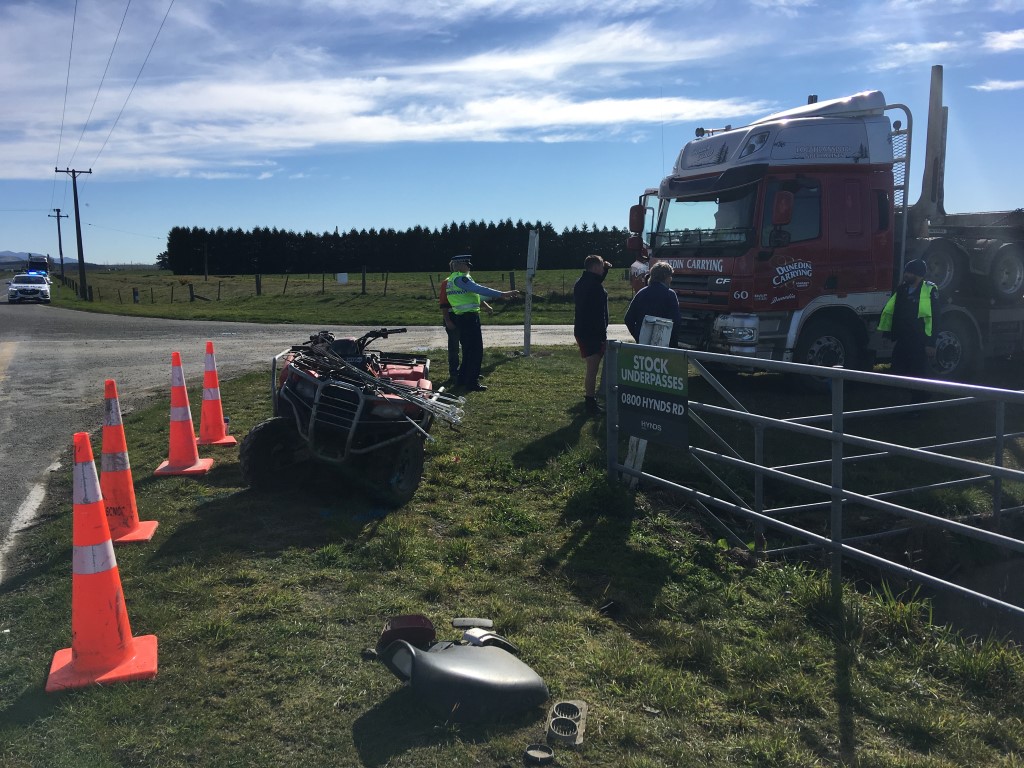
788	219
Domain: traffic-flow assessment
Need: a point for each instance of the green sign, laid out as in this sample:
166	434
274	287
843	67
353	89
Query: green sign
653	394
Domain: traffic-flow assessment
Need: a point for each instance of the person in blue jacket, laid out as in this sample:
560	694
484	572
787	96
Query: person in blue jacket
656	299
465	296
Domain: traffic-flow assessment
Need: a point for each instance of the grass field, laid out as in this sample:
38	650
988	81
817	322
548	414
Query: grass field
314	298
688	653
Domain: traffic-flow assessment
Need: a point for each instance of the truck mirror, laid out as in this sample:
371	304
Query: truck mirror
782	208
634	243
637	217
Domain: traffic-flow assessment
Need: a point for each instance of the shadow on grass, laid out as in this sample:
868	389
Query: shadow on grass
32	706
306	517
540	452
604	570
400	724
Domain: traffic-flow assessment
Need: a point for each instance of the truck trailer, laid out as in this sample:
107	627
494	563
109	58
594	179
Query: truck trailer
787	237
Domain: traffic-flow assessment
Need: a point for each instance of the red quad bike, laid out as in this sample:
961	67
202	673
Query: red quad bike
339	403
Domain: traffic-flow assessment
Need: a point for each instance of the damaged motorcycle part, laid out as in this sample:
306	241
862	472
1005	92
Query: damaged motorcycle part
466	683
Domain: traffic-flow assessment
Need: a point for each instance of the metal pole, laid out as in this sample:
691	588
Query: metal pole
837	498
997	482
611	404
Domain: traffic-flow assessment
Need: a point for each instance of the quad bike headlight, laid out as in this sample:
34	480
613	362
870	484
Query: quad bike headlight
387	411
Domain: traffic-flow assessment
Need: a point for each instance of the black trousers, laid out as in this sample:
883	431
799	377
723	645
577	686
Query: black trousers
453	350
471	339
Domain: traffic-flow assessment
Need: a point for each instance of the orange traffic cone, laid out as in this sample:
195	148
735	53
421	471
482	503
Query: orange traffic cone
102	647
116	477
212	429
183	456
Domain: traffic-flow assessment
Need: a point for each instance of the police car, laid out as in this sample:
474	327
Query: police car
30	287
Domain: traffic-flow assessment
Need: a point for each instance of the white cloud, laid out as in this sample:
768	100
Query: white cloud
1000	85
1005	41
900	55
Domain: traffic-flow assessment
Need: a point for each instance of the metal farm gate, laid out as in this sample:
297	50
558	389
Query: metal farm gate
845	483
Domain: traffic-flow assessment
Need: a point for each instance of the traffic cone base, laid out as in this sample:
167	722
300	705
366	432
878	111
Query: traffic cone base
142	532
226	440
141	666
201	467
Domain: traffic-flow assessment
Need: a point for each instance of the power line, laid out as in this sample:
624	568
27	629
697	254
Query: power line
99	88
137	77
64	109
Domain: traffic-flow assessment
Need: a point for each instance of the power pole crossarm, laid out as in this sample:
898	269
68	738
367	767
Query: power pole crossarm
83	292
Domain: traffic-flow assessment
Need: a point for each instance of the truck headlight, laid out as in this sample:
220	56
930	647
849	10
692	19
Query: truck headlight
748	335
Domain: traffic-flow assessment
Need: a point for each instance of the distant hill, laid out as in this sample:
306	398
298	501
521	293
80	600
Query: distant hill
16	260
9	259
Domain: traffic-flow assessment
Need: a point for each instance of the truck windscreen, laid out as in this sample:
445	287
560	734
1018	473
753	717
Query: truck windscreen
723	218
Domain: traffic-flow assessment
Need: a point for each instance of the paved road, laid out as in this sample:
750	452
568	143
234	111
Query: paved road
53	363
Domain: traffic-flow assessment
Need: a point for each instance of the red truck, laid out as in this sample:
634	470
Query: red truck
787	237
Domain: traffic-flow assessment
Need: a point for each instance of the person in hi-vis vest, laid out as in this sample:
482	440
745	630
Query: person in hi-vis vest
465	296
909	319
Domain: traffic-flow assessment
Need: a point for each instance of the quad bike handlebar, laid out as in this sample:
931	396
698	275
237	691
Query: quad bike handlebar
326	337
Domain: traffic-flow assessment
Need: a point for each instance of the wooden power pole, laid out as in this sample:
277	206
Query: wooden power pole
82	292
60	244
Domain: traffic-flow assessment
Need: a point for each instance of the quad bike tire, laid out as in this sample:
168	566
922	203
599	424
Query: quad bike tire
270	454
393	476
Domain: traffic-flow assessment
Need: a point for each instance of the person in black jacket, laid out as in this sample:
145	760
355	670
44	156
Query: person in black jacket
658	300
591	324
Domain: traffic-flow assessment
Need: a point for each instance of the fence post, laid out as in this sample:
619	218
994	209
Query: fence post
152	297
386	276
433	290
218	290
89	291
172	293
759	538
997	482
259	285
611	405
364	280
119	296
285	289
135	295
191	292
836	523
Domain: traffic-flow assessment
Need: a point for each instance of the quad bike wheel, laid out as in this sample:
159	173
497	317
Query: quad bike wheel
270	453
394	475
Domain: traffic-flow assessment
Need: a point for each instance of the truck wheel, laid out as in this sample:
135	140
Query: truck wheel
827	343
395	475
1006	277
947	266
956	350
269	453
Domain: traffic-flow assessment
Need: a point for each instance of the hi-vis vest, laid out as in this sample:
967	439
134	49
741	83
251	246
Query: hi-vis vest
462	301
924	309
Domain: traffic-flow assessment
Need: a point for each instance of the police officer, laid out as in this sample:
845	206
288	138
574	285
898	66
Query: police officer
909	318
465	296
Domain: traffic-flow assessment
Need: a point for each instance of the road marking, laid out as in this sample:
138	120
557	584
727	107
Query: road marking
6	355
25	514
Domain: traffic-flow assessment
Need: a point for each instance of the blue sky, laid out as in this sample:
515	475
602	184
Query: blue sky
316	114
